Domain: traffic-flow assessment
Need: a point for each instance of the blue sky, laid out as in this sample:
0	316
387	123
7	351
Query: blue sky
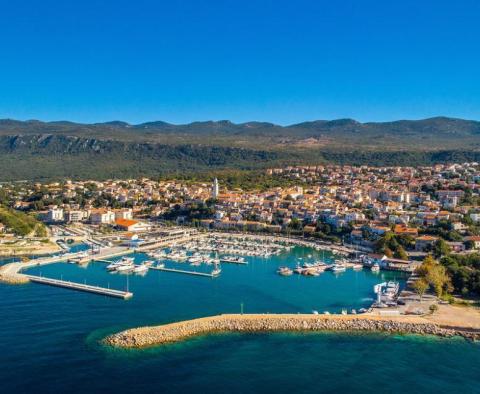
279	61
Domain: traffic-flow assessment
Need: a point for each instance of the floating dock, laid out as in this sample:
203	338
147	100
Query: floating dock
184	272
80	287
234	262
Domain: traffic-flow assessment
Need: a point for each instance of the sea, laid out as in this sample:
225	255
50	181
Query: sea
50	338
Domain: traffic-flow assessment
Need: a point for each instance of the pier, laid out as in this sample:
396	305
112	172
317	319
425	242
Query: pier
184	272
81	287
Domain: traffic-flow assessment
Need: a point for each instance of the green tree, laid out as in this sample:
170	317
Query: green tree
420	286
441	248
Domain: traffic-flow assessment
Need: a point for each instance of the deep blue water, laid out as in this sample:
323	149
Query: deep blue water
49	337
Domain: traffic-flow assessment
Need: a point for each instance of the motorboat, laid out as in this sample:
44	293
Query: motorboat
232	259
125	268
140	268
337	268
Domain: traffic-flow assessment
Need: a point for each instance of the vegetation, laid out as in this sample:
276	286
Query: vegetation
435	275
21	223
464	271
394	245
39	150
420	286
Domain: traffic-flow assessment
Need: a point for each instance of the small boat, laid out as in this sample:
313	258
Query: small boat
357	267
160	265
125	268
284	271
216	271
113	266
375	268
232	259
195	260
140	268
337	268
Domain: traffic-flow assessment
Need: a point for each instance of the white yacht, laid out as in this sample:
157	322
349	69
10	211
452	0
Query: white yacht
337	268
140	268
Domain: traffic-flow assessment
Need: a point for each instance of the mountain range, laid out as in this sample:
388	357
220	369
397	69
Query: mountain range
42	150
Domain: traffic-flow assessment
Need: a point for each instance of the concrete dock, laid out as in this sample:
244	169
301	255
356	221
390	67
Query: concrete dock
80	287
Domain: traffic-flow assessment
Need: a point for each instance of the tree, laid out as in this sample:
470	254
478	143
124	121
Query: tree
441	248
420	286
400	254
435	275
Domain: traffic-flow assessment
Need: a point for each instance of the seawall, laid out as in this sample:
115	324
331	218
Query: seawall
173	332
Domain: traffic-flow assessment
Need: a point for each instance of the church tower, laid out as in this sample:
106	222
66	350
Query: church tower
215	189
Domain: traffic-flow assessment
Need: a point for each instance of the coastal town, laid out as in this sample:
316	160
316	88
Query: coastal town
425	209
392	218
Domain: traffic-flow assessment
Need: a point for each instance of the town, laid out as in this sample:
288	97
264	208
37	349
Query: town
394	215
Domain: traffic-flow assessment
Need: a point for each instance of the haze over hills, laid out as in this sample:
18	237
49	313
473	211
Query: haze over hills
35	149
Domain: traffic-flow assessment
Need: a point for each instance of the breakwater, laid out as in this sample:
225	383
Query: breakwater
173	332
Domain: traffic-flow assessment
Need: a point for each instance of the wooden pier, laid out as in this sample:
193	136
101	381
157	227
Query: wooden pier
184	272
80	287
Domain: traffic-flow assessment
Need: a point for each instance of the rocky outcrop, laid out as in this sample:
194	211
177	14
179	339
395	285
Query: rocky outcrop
157	335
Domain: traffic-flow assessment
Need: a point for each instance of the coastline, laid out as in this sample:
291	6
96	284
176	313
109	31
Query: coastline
149	336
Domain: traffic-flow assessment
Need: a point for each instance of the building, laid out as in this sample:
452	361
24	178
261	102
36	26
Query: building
128	225
102	216
215	189
424	243
123	214
402	229
475	241
55	215
75	216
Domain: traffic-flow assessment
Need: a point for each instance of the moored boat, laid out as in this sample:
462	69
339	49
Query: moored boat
284	271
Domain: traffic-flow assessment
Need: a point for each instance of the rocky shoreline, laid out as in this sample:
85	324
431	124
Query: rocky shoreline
174	332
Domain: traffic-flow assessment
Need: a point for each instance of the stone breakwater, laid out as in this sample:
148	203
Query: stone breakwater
168	333
9	274
15	279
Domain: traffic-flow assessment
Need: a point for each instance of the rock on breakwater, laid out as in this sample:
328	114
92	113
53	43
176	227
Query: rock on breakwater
158	335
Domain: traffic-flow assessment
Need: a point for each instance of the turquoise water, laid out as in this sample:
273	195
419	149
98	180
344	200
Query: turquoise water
49	336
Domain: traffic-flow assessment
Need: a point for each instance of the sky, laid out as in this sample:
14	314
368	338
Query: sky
266	60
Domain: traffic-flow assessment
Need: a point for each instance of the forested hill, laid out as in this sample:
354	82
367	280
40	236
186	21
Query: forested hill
40	150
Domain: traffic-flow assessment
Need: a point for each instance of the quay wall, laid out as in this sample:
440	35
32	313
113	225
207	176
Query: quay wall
168	333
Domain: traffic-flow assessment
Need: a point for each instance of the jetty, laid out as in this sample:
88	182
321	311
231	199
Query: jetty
257	323
184	272
81	287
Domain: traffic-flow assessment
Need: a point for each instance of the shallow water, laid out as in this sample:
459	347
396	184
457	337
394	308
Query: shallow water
49	336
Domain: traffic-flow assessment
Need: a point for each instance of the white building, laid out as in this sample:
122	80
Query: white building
55	215
74	216
102	216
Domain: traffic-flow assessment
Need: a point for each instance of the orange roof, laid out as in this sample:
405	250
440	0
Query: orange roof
125	222
427	238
